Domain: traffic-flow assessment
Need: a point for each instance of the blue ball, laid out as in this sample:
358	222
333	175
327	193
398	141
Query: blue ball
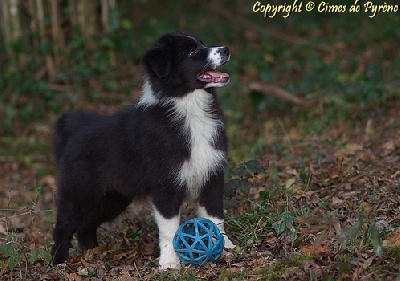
198	241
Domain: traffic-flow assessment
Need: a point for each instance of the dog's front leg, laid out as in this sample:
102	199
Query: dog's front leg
167	227
211	205
203	213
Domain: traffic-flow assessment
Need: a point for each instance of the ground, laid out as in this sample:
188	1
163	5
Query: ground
312	207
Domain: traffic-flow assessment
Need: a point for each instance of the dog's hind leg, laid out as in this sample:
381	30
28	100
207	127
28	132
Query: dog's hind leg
87	236
62	235
97	212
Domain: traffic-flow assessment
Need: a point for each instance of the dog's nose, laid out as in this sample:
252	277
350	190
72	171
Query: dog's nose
225	51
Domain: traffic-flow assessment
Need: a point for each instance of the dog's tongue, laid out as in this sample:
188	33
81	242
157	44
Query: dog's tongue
213	76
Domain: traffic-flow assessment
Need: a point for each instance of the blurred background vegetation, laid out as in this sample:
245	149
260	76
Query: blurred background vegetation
60	55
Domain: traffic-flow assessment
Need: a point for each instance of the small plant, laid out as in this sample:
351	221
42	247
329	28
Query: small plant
254	222
132	234
11	252
362	234
40	254
15	255
252	225
285	225
240	176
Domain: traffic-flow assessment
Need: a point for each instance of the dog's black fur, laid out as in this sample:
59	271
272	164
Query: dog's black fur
104	162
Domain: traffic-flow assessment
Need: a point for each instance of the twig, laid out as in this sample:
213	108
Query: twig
60	88
277	92
21	212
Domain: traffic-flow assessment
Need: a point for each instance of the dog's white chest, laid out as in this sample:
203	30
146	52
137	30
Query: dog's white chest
204	158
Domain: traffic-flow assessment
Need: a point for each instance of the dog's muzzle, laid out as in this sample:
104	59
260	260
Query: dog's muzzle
217	56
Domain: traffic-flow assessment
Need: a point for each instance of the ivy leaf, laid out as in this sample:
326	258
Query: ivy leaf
250	168
376	240
45	254
34	256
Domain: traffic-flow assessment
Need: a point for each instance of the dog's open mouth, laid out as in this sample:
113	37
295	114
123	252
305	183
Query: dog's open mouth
212	76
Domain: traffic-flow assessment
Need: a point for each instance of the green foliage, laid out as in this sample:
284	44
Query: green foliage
251	225
16	256
328	68
274	211
239	176
132	234
10	251
275	271
260	216
81	73
181	275
285	224
239	183
250	169
393	253
42	253
364	233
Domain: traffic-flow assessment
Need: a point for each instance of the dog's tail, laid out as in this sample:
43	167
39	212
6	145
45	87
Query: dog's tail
69	125
60	138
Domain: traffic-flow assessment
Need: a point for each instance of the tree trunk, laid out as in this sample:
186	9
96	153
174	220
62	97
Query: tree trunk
57	35
6	26
49	60
87	20
15	23
105	15
73	13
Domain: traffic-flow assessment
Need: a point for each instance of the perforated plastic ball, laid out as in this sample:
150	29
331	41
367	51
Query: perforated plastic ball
198	241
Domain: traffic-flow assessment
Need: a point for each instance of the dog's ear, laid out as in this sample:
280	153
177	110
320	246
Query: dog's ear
158	58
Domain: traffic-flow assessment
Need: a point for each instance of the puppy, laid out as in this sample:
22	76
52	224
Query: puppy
170	147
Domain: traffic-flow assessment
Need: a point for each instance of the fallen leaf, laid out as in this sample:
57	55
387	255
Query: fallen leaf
314	268
4	266
73	276
353	148
2	229
337	203
307	250
293	273
393	239
310	161
388	147
128	255
395	175
289	183
148	249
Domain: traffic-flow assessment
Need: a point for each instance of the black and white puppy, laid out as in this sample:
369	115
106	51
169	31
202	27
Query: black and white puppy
170	147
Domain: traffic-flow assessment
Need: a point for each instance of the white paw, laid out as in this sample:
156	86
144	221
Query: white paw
228	243
169	262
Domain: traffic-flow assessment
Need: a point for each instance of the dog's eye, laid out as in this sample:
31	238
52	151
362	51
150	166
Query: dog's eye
193	52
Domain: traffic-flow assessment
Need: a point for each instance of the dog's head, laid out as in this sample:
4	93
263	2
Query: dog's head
181	61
